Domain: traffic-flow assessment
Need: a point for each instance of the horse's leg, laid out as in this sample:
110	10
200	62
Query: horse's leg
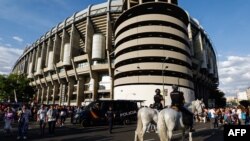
190	136
183	134
144	128
170	134
136	136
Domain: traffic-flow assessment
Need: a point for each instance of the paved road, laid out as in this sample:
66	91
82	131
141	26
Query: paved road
120	133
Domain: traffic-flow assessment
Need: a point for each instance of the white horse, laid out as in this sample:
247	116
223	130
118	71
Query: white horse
145	116
170	119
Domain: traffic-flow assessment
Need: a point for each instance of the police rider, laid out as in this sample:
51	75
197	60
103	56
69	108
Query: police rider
178	100
158	99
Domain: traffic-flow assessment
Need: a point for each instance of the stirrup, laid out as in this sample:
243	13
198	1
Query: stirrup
191	130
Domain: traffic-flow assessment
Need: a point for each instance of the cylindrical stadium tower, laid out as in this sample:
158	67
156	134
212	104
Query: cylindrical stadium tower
152	50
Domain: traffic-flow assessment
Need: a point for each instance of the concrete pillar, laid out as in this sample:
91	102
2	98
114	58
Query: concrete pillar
70	90
49	48
74	41
95	83
55	91
109	52
65	39
89	35
80	91
49	89
44	91
33	59
62	94
39	92
43	54
128	4
57	48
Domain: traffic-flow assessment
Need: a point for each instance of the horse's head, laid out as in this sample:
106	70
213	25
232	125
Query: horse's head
198	105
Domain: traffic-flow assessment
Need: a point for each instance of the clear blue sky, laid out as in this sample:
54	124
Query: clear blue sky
22	22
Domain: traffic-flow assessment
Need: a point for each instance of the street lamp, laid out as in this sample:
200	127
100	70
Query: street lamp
163	69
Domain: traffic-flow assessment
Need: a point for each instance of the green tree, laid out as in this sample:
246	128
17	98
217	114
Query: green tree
18	84
3	88
218	96
245	103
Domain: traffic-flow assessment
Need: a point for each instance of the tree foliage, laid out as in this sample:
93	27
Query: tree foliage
218	96
13	83
245	103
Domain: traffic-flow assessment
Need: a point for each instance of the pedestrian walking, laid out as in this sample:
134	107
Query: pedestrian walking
63	114
110	115
9	119
51	116
41	118
23	122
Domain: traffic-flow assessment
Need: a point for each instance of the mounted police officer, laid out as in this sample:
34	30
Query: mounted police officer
158	99
178	101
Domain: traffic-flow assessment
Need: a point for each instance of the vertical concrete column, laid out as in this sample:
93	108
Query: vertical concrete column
38	97
57	48
49	48
60	94
128	4
70	90
190	36
74	41
55	91
44	91
38	54
89	35
43	54
49	87
65	39
109	32
80	91
95	83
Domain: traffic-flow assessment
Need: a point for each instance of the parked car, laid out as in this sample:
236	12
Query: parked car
94	113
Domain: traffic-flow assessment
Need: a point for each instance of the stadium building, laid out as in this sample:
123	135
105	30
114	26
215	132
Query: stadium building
121	49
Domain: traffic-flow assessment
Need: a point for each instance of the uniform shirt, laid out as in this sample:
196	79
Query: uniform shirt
158	98
177	98
110	114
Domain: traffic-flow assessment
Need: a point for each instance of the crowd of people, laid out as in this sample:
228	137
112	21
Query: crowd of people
51	115
238	115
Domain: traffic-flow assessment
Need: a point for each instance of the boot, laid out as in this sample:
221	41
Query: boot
191	129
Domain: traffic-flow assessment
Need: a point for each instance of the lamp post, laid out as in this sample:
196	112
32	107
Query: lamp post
163	69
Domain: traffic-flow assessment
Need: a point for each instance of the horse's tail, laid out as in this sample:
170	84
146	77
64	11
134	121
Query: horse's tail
139	127
162	128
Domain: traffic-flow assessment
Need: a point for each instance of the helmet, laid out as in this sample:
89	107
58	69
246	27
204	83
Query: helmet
175	87
157	90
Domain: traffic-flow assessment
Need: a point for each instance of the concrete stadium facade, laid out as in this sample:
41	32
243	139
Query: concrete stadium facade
121	49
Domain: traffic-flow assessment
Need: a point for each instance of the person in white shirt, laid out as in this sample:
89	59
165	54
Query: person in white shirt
41	118
51	114
213	117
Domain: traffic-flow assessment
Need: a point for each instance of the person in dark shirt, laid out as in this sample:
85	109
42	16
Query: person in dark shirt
178	101
158	99
110	115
